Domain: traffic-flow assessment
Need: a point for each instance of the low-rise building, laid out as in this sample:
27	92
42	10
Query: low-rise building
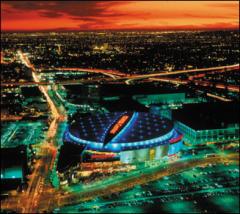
208	122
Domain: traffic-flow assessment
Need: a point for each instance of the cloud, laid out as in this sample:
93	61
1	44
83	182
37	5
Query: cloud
78	10
87	15
220	25
209	16
49	14
230	5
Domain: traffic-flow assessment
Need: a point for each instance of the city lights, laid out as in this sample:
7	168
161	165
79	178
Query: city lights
120	106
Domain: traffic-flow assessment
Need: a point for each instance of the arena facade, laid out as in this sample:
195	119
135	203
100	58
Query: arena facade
133	136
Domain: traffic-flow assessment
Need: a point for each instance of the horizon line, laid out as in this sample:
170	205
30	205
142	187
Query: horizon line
117	30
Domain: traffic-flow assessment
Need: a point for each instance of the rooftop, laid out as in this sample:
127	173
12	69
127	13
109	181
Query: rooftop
203	116
146	126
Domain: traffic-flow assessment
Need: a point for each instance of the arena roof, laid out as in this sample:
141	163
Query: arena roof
146	126
140	130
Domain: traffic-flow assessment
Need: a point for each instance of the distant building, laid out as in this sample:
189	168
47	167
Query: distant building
208	122
160	98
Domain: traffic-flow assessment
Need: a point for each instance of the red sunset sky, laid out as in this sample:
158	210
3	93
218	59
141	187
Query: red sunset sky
122	15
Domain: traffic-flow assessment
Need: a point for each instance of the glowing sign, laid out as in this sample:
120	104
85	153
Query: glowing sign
102	156
119	124
174	140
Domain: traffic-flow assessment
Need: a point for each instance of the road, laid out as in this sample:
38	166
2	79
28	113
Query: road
47	150
111	73
129	181
218	97
40	195
63	82
128	79
146	76
232	88
46	198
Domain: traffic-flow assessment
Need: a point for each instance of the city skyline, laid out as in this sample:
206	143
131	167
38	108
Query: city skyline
118	15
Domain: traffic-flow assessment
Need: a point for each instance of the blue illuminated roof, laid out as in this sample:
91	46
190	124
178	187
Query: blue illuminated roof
93	127
146	126
143	130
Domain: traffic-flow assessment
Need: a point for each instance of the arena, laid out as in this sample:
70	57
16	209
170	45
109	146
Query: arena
131	136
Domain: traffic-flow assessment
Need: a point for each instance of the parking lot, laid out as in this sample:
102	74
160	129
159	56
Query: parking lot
201	189
21	133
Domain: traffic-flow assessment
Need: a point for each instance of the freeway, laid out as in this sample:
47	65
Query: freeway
218	97
146	76
112	73
232	88
128	79
64	82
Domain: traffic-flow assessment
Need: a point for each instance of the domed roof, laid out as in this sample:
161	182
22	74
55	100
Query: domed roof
120	131
142	126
